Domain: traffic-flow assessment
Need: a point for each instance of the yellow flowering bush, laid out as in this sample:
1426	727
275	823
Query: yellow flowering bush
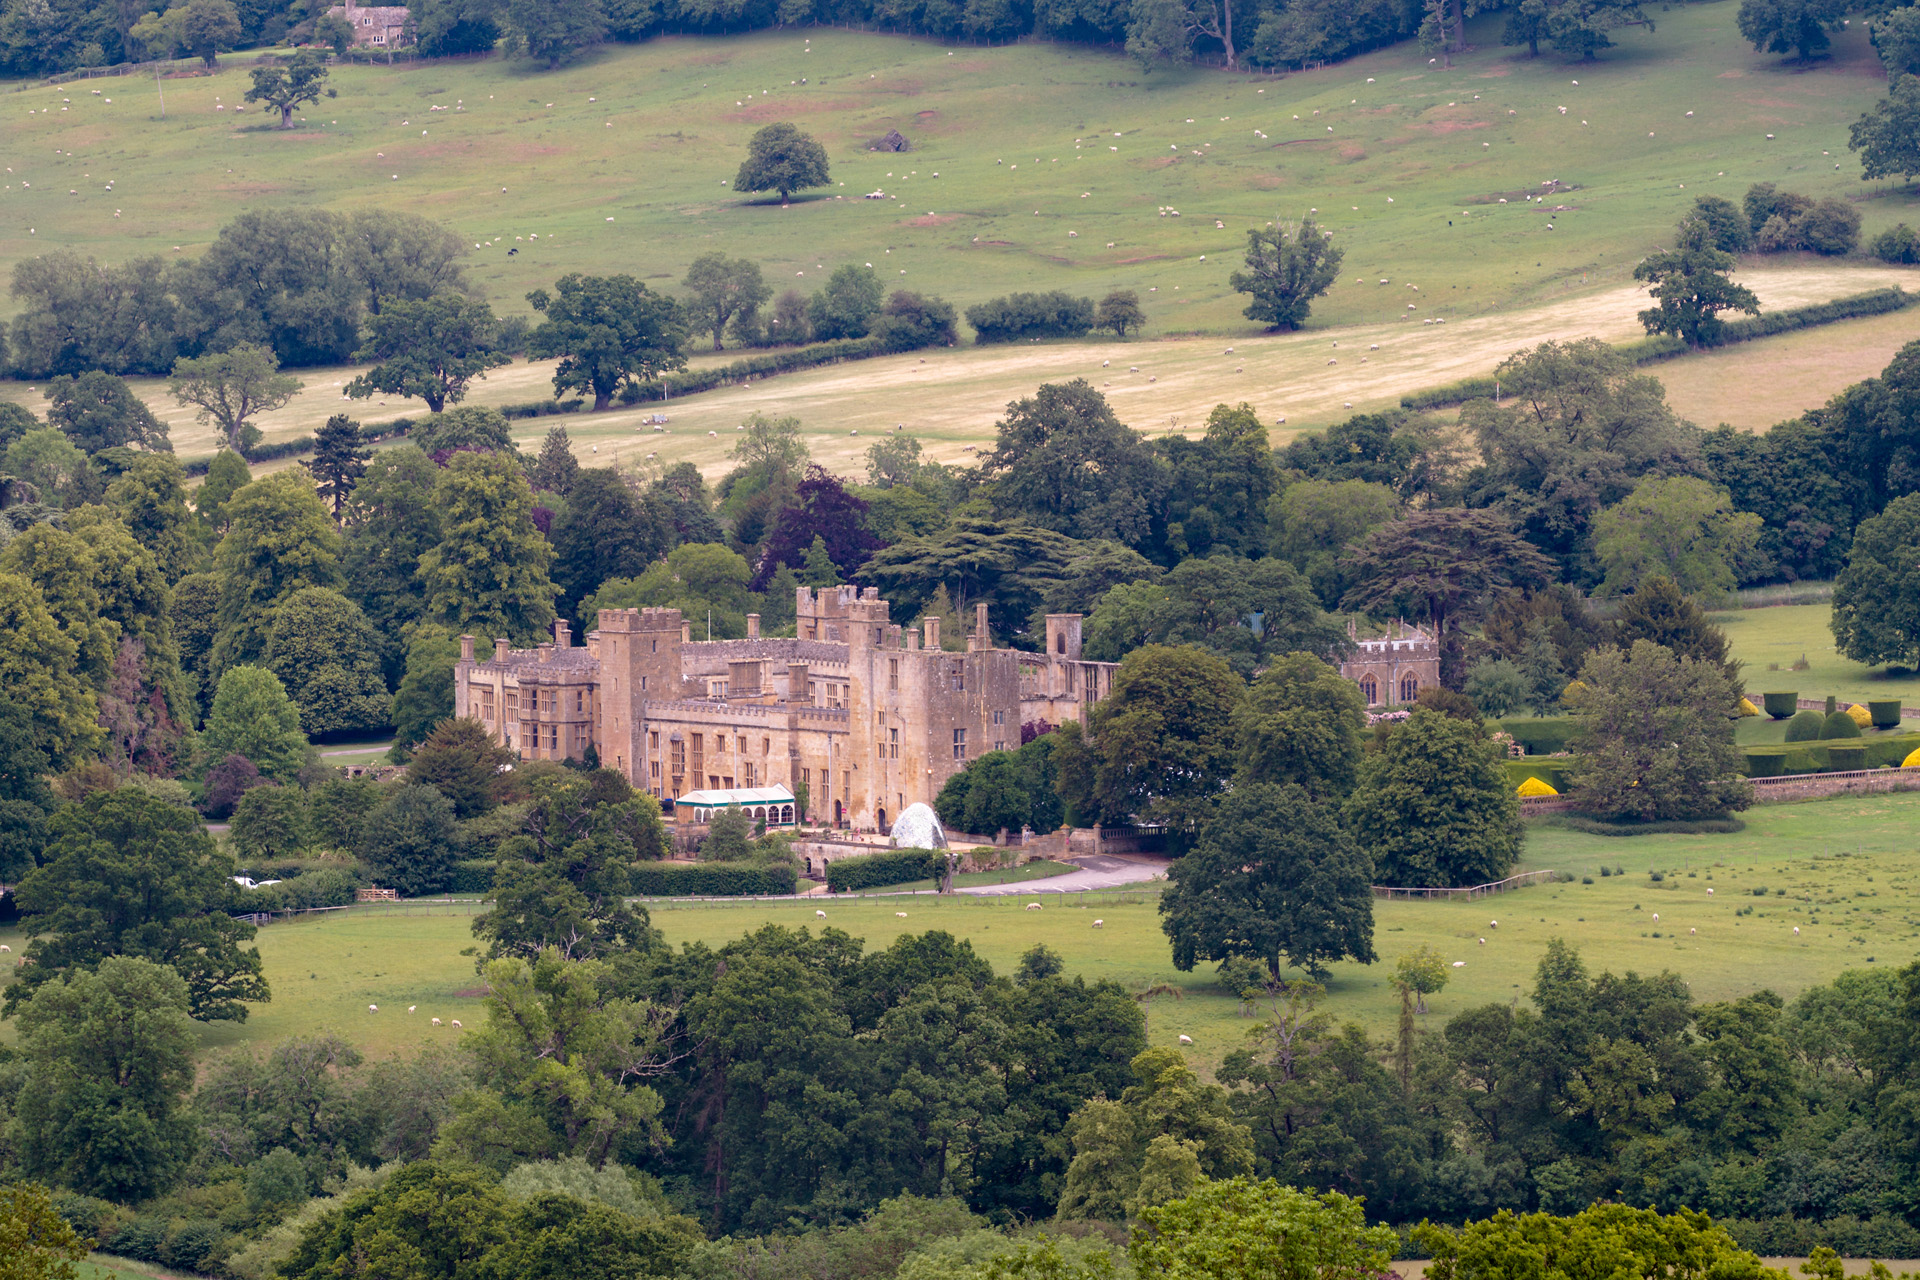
1746	708
1912	761
1534	788
1860	716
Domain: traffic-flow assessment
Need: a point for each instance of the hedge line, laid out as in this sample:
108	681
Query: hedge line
1885	1236
683	384
1774	760
370	432
472	878
1656	347
901	866
712	879
1554	771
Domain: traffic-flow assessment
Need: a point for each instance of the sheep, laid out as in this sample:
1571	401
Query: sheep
1796	928
821	914
1483	942
901	914
1459	964
1656	915
1186	1039
5	950
1693	931
373	1008
1493	924
1105	363
456	1022
412	1007
436	1022
1033	906
1709	893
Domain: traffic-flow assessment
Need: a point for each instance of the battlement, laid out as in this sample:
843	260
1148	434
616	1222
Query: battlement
640	620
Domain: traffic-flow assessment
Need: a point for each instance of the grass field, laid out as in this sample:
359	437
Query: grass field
1786	633
1031	142
1847	868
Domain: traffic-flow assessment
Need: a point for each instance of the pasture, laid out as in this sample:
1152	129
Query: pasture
1058	167
1782	635
1843	870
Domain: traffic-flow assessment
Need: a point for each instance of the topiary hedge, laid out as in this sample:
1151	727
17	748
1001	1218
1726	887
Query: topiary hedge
712	879
1839	724
899	866
1766	762
1806	726
1781	705
472	877
1886	715
1846	756
1555	772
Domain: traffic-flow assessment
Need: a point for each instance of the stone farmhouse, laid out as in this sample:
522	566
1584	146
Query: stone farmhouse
384	26
860	716
1392	670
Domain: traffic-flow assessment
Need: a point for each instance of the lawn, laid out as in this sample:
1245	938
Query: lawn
1770	641
1843	870
1056	167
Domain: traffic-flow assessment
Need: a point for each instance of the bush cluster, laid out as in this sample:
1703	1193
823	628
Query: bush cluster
1806	726
1054	314
899	866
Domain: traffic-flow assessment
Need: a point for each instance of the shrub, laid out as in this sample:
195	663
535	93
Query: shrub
1766	762
1860	715
325	887
1898	244
1806	726
1542	736
1781	705
1885	715
1831	227
899	866
712	879
1838	724
1843	757
472	877
1055	314
1760	891
271	821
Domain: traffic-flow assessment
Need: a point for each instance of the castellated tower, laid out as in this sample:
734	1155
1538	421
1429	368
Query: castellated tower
639	659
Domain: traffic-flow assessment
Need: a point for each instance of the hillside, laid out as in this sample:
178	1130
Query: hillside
624	162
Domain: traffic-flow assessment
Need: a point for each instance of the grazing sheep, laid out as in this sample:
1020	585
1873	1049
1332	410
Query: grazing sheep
901	914
1709	893
1099	924
412	1007
821	914
436	1022
1459	964
6	949
1186	1039
1105	363
1796	928
1693	931
373	1008
1493	924
456	1022
1033	906
1656	915
1483	942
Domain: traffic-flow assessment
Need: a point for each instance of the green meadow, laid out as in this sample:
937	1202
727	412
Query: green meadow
1771	641
1057	167
1844	871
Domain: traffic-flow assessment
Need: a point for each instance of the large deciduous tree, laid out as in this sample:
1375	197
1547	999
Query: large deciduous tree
103	1108
432	349
604	532
38	674
1876	599
1888	136
99	411
1677	527
409	841
252	716
1804	27
1239	1229
231	387
150	497
608	332
724	288
1275	876
1657	737
129	874
1301	724
488	574
280	539
847	305
288	87
1063	461
327	656
1162	741
1287	268
782	158
1690	287
555	31
1433	807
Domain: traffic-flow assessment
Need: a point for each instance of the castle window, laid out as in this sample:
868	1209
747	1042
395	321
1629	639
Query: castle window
1370	691
1060	643
893	673
999	717
893	744
1409	688
959	744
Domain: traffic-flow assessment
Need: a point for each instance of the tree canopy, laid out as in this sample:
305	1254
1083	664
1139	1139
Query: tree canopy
608	332
780	157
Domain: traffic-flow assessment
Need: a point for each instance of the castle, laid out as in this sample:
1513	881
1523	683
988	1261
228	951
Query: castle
1392	670
855	714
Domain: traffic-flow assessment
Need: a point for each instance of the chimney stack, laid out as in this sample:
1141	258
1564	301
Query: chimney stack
686	631
932	626
466	648
499	649
753	626
562	634
797	682
980	625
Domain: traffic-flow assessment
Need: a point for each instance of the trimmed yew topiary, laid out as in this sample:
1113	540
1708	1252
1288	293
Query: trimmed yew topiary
1805	726
1838	724
1848	756
1886	715
1780	705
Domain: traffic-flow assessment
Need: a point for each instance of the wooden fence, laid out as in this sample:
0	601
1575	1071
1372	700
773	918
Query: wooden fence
1476	891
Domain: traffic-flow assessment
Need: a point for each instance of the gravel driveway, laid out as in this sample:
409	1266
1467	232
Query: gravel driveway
1097	871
